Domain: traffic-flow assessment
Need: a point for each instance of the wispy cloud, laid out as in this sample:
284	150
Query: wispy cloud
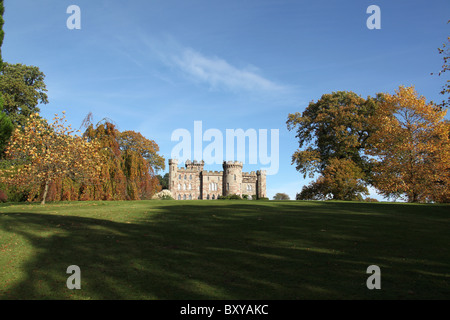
219	74
213	71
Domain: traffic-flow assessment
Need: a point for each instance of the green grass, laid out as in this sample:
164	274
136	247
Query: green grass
224	250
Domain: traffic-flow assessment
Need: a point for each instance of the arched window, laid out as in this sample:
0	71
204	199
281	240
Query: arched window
190	186
213	197
179	197
184	197
207	197
184	177
190	177
179	186
179	176
228	186
184	186
235	177
190	197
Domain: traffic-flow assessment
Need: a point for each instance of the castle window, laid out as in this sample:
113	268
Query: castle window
179	176
207	197
179	197
190	186
184	177
184	197
190	177
190	197
179	186
213	197
184	187
228	186
234	177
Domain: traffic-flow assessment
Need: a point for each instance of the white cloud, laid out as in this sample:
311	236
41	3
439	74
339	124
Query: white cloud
218	73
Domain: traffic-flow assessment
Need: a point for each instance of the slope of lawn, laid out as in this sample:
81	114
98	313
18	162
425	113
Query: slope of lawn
224	250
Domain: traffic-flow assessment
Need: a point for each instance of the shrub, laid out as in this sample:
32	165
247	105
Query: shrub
370	200
163	195
230	197
3	196
263	199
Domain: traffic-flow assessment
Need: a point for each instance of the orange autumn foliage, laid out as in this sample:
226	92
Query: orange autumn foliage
411	148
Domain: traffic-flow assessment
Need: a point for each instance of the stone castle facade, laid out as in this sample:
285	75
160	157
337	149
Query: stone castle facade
192	182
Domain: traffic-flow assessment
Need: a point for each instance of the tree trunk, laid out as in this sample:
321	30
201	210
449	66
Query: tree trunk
45	192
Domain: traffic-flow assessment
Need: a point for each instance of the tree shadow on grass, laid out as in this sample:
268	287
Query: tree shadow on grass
234	251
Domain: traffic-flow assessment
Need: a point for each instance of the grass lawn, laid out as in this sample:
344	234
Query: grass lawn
224	250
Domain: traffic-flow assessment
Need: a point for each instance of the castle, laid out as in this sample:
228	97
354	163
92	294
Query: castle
192	182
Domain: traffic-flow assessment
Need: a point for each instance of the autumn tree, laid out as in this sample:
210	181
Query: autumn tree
22	88
131	160
334	127
131	141
44	152
411	148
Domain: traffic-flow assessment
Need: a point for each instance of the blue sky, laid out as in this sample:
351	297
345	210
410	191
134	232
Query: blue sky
158	66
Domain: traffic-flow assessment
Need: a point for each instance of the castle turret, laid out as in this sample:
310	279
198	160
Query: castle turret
173	168
261	184
232	177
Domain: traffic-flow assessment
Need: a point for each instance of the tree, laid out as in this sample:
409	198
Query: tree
281	196
342	179
163	181
411	148
127	171
148	149
22	88
445	51
46	152
334	127
2	33
6	128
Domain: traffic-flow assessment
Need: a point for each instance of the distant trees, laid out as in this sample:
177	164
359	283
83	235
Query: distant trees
281	196
164	181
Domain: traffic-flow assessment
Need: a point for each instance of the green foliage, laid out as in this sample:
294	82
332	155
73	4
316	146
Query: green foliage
22	88
281	196
2	33
333	127
163	181
6	128
230	197
263	199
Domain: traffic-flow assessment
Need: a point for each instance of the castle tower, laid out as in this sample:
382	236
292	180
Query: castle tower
197	166
173	168
232	177
261	184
